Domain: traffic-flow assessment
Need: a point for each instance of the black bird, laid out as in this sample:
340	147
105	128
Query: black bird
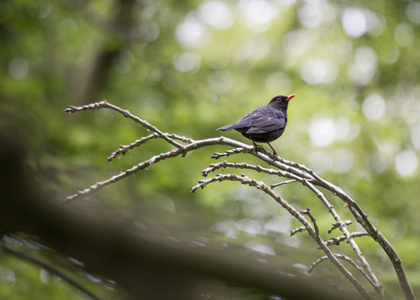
265	124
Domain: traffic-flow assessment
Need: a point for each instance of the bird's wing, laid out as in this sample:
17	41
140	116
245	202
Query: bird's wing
262	121
243	123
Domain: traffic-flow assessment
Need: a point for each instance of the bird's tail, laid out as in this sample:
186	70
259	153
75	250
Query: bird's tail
227	127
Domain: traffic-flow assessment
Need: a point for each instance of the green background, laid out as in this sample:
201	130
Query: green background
190	67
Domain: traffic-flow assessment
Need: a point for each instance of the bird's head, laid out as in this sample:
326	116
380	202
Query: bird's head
281	101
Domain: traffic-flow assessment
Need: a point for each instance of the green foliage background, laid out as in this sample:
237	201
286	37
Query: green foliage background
190	67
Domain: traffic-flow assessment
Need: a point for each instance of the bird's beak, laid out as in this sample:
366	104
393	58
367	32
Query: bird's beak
290	97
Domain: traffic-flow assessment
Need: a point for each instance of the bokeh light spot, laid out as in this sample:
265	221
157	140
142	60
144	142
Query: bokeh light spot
313	14
406	162
354	22
250	226
187	62
364	67
404	35
191	32
255	48
413	12
410	110
257	247
278	224
216	14
318	71
319	161
258	13
322	131
228	228
296	42
415	136
374	107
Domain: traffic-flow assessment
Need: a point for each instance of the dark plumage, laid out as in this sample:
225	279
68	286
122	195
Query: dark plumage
265	124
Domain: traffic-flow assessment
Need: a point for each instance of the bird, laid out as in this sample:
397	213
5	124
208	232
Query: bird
265	124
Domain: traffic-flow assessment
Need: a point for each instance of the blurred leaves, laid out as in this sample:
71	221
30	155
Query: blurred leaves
191	67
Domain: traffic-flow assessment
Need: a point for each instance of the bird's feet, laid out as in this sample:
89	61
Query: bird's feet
258	148
274	151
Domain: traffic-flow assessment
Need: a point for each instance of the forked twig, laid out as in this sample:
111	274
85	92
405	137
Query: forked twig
127	114
342	257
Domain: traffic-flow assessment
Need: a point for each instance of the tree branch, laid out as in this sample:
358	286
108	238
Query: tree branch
342	257
261	186
281	168
127	114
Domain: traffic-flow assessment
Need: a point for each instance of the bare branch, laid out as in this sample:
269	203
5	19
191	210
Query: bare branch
99	185
231	177
282	183
127	114
280	167
333	241
353	235
157	158
230	152
342	257
261	186
311	216
349	238
124	148
258	168
337	225
297	230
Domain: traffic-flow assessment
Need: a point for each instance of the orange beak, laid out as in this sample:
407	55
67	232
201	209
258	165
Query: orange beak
290	97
